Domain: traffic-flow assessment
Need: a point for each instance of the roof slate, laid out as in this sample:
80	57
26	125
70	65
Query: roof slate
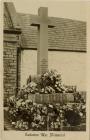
68	34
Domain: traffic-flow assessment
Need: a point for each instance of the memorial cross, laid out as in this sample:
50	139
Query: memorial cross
42	22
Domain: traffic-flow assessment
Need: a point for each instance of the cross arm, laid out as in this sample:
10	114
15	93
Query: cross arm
37	20
50	23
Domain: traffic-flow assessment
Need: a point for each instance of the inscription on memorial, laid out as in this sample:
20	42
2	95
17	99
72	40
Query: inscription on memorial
43	65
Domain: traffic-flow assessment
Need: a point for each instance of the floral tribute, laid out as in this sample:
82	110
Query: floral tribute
24	114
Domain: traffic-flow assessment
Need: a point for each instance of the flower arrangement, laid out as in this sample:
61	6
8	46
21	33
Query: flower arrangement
41	117
48	83
24	114
51	82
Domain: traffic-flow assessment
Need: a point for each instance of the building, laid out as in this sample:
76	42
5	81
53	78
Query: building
66	43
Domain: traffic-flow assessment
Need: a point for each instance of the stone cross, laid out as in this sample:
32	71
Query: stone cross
42	22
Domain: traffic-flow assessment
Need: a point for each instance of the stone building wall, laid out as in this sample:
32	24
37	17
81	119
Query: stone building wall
10	64
11	45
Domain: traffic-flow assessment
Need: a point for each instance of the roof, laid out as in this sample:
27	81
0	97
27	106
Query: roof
67	35
10	16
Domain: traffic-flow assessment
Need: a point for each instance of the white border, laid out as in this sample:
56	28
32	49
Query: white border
18	135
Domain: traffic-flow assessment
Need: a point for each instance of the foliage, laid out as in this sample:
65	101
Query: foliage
48	83
27	115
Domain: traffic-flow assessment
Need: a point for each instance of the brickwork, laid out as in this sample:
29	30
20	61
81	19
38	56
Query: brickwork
10	68
11	43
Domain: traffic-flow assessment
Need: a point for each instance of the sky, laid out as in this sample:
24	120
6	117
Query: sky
56	8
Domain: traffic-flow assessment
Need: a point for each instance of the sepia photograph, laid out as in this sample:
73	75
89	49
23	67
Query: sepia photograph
44	66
